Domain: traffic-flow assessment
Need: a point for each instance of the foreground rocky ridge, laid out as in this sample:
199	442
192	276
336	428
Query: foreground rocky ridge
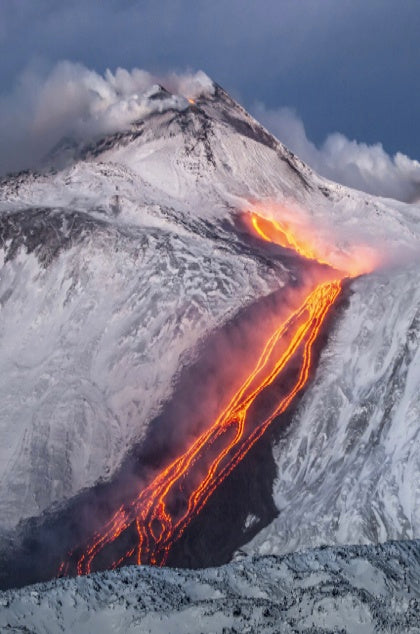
355	589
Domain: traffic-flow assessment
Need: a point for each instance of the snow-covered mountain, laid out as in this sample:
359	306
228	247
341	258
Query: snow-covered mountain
126	252
106	282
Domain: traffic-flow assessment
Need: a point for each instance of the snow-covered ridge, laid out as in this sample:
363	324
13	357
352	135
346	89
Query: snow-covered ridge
348	590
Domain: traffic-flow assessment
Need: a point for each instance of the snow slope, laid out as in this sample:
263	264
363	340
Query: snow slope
347	590
349	465
83	339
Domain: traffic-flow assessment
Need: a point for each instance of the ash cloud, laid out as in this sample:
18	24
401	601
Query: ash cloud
74	102
365	167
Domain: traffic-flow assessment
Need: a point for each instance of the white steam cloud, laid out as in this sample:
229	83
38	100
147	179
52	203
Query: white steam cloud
73	101
365	167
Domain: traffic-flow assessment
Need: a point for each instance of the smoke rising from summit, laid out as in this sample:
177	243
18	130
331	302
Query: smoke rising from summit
76	103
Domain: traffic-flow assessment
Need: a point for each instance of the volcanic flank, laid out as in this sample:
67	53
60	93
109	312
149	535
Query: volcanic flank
118	269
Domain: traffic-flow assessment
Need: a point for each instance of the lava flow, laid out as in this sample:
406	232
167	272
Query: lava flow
273	231
162	511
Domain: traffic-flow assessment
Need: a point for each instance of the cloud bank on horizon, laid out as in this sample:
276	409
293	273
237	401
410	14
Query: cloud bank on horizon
349	162
72	101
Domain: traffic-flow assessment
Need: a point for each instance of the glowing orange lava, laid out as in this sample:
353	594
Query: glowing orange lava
162	511
356	260
279	233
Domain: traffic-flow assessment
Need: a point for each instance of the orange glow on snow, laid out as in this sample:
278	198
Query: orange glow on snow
358	261
273	231
215	453
161	511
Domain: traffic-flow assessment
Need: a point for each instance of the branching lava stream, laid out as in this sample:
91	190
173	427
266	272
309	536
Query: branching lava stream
162	510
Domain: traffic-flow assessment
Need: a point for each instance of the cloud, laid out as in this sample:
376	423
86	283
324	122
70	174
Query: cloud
73	101
350	66
359	165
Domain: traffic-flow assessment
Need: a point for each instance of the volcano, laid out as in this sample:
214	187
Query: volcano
142	275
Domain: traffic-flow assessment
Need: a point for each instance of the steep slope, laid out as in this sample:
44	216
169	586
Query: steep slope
349	465
86	318
103	275
347	590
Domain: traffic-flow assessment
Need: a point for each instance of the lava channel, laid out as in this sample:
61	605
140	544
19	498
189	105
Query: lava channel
161	512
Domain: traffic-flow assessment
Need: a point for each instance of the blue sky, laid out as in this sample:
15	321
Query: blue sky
351	66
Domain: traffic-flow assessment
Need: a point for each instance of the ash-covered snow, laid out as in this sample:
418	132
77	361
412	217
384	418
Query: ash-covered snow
350	590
